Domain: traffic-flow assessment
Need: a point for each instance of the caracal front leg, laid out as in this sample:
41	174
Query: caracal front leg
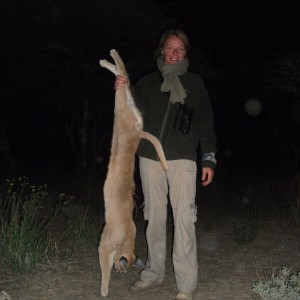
106	259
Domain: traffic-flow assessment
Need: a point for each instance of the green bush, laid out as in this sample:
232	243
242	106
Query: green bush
280	286
253	208
246	227
85	227
24	239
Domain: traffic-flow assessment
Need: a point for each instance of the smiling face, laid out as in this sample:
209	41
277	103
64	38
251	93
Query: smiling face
173	50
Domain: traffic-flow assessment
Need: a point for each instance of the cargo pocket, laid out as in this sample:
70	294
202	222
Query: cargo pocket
146	214
193	209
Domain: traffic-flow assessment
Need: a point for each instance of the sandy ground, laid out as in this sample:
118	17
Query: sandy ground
226	271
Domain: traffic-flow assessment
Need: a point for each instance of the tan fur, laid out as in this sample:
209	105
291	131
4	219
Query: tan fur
118	236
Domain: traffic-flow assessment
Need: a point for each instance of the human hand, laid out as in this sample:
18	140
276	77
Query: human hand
207	175
120	82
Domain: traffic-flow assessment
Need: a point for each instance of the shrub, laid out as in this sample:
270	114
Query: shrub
246	227
280	286
58	257
85	227
24	239
253	209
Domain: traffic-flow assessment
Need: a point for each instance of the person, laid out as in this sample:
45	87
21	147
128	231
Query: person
176	108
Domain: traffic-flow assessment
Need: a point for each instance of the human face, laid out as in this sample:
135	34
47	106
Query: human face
173	50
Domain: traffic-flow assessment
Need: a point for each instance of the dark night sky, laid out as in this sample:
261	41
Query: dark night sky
50	64
243	29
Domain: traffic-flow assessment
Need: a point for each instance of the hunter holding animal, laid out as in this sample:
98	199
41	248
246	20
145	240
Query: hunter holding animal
176	108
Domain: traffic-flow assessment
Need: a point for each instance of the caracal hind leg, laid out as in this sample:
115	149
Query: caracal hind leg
106	260
119	62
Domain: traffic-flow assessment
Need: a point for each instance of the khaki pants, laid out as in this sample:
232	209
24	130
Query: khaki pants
180	183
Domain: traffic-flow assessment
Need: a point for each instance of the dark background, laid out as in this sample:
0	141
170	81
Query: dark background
56	102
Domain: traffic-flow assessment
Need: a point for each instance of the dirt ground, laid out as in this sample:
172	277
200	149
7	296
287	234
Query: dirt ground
226	271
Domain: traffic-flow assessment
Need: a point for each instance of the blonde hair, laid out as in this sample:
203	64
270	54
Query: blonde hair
171	32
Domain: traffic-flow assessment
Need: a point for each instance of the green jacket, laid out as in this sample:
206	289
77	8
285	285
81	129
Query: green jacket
159	115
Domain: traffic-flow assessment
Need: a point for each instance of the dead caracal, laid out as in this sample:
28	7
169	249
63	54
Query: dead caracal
118	237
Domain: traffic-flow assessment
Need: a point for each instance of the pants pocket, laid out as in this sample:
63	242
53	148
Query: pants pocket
193	208
146	215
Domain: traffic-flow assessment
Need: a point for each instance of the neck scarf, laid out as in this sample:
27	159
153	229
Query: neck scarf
171	82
